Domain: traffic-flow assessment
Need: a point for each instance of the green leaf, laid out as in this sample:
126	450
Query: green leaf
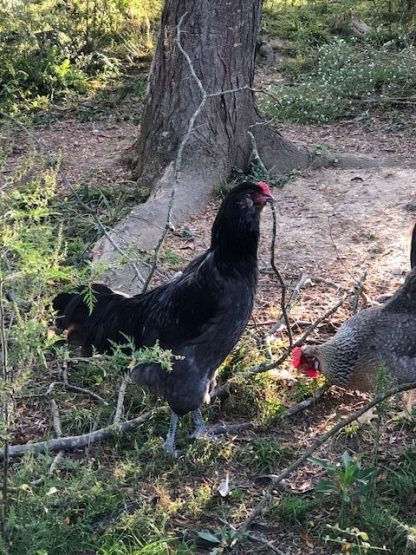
325	486
346	459
324	464
208	537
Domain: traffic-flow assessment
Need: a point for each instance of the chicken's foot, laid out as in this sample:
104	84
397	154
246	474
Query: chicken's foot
169	445
200	428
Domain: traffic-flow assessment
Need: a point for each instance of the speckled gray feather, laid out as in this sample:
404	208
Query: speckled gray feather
374	339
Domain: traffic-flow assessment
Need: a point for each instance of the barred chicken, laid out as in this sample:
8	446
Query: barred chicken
375	339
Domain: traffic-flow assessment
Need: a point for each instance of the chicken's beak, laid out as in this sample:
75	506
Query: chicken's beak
270	199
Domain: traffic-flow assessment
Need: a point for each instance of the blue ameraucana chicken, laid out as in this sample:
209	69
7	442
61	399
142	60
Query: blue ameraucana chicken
199	315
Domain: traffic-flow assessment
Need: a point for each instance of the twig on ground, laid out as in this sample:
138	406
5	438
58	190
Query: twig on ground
4	375
410	101
65	372
293	298
76	389
58	432
56	421
306	403
55	463
230	429
358	293
266	542
90	360
257	158
255	153
280	278
276	479
178	159
76	442
224	388
120	399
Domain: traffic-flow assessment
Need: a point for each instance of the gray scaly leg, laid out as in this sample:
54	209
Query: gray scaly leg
169	445
200	428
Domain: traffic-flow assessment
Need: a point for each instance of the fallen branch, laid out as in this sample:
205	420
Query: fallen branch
58	432
76	389
5	414
293	298
76	442
120	399
178	160
281	280
230	429
358	293
56	421
224	388
276	479
256	155
266	542
306	403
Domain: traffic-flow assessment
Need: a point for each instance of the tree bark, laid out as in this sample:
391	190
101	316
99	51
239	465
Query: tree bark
220	38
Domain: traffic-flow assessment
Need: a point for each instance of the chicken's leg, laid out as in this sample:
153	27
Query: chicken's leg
169	445
200	428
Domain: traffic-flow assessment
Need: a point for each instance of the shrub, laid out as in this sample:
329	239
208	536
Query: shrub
349	77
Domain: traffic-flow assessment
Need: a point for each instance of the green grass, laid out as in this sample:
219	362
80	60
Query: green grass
330	73
349	78
53	53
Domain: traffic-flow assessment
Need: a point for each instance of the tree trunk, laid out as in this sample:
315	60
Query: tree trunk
220	38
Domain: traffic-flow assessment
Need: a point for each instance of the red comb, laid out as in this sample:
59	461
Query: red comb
265	188
296	356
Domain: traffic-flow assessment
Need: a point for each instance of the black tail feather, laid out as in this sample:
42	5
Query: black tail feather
413	249
74	315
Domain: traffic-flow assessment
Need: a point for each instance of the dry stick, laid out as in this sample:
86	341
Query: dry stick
358	293
76	442
65	372
58	432
230	429
258	159
219	391
4	375
281	280
293	298
178	159
266	542
306	403
276	479
76	389
53	163
120	400
256	154
56	423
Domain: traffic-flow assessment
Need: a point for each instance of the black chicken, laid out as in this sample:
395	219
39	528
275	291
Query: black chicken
199	315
